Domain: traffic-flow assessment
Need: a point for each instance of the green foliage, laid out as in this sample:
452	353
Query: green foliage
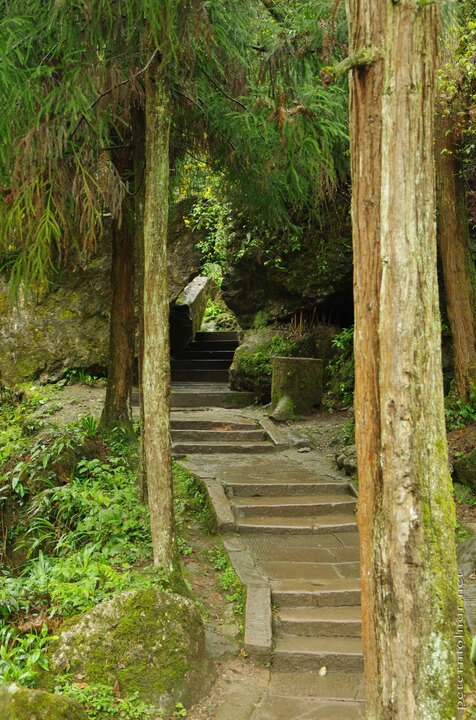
81	376
191	501
462	533
458	414
340	369
218	314
21	654
180	711
101	703
464	495
253	362
229	580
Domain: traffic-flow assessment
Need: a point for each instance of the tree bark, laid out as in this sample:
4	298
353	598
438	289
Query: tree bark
405	510
117	409
156	355
459	273
138	139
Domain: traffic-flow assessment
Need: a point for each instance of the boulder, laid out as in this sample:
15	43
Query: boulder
318	274
186	313
346	459
464	469
19	703
144	641
68	326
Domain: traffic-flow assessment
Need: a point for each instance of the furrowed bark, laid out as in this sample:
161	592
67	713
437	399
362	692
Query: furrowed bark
156	355
405	511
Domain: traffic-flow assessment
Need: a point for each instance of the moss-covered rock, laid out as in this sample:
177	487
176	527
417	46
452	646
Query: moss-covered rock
18	703
68	326
252	364
299	379
464	469
148	641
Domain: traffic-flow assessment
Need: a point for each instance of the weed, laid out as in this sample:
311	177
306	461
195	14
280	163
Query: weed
229	580
462	533
341	368
464	495
459	414
180	711
102	703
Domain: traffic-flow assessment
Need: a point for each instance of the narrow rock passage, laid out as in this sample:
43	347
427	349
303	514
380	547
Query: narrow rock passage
287	521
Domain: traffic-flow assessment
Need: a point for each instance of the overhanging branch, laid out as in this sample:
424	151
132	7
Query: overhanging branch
362	58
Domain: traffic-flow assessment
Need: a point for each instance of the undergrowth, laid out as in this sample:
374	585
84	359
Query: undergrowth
75	532
229	581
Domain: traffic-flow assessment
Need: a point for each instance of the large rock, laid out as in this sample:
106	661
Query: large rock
19	703
252	364
319	274
68	327
464	469
148	641
186	313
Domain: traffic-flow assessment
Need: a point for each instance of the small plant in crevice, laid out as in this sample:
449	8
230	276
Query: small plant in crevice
340	369
459	414
229	581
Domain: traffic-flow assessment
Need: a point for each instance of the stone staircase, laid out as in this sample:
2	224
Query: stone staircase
298	552
206	360
191	436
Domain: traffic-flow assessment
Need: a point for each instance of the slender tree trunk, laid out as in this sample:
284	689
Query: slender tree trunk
117	407
138	138
156	355
459	273
405	510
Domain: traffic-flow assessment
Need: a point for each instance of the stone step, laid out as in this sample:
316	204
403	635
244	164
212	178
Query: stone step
289	505
181	423
302	555
215	435
332	686
213	345
270	487
279	569
297	652
211	448
199	376
311	524
200	364
315	593
216	335
207	395
226	355
320	621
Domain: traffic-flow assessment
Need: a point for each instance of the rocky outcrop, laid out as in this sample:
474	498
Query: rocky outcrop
68	327
145	641
319	274
186	314
19	703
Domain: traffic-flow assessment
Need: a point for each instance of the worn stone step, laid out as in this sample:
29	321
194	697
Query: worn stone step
320	621
282	570
214	435
192	375
309	684
311	524
211	448
289	505
208	395
298	652
188	363
216	335
213	345
288	707
303	555
181	423
203	354
315	593
271	487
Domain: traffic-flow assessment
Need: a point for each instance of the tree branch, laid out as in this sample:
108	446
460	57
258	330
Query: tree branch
221	90
114	87
362	58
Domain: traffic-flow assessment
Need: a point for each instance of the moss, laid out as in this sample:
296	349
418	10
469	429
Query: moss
23	704
148	641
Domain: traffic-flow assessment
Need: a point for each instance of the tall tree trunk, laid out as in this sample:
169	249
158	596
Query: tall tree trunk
156	355
459	273
117	407
138	139
405	510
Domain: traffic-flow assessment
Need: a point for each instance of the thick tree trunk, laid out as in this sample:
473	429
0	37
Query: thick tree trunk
405	510
117	407
156	355
457	262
